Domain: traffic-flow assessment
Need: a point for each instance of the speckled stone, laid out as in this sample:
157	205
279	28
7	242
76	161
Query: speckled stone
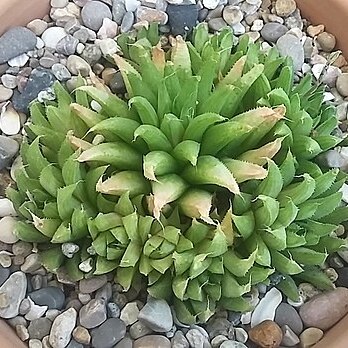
93	14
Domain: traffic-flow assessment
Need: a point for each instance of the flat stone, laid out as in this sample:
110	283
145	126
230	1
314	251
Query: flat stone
15	42
127	22
15	288
285	8
129	313
109	333
93	314
93	13
151	15
290	45
272	31
182	18
156	315
9	81
325	310
37	26
5	93
62	328
52	36
77	65
67	45
266	334
39	328
118	10
39	80
152	341
51	296
310	337
287	315
7	223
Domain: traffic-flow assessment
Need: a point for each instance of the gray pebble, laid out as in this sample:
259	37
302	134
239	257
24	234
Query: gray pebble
93	14
67	45
39	80
8	149
271	32
39	328
4	274
127	22
72	26
93	314
108	334
104	293
61	72
196	339
179	340
91	54
290	339
9	81
118	10
287	315
34	343
82	35
138	329
53	297
74	344
216	24
290	45
15	42
113	310
232	344
125	343
156	314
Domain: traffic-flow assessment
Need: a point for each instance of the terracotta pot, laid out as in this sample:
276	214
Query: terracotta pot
19	12
332	13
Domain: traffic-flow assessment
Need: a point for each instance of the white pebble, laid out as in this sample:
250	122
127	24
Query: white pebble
39	43
265	310
317	70
108	46
52	36
19	61
241	334
211	4
238	29
328	96
132	5
7	225
6	208
35	311
10	122
257	25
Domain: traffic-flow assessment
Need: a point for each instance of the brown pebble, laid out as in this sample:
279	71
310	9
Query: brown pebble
310	337
340	61
285	8
326	41
267	334
314	30
108	74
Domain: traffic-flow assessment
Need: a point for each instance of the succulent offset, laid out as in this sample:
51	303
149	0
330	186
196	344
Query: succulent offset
201	179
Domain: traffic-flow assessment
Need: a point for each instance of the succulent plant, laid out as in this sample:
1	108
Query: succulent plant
201	178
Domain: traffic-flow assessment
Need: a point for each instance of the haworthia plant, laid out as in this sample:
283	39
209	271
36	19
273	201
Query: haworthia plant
201	179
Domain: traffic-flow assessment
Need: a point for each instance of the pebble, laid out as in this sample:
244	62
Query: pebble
74	344
18	61
266	334
14	288
197	339
91	54
10	124
266	308
62	328
290	45
9	81
152	341
342	277
325	310
35	311
179	340
326	41
4	274
307	291
22	332
67	45
93	314
127	22
210	4
52	36
82	35
61	72
118	10
109	333
81	335
216	24
39	328
290	339
156	315
31	264
7	223
342	84
8	149
232	344
108	47
285	8
39	80
108	29
93	14
287	315
37	26
34	343
232	15
240	334
138	329
15	42
129	313
77	65
92	284
310	337
218	326
151	15
182	18
52	297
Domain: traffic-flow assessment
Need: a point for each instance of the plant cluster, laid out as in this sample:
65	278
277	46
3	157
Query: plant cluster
201	179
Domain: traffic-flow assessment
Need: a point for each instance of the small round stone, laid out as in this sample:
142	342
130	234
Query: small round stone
81	335
77	65
52	36
152	341
216	24
342	84
326	41
285	8
93	14
61	72
232	15
310	337
39	328
67	45
37	26
266	334
314	30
